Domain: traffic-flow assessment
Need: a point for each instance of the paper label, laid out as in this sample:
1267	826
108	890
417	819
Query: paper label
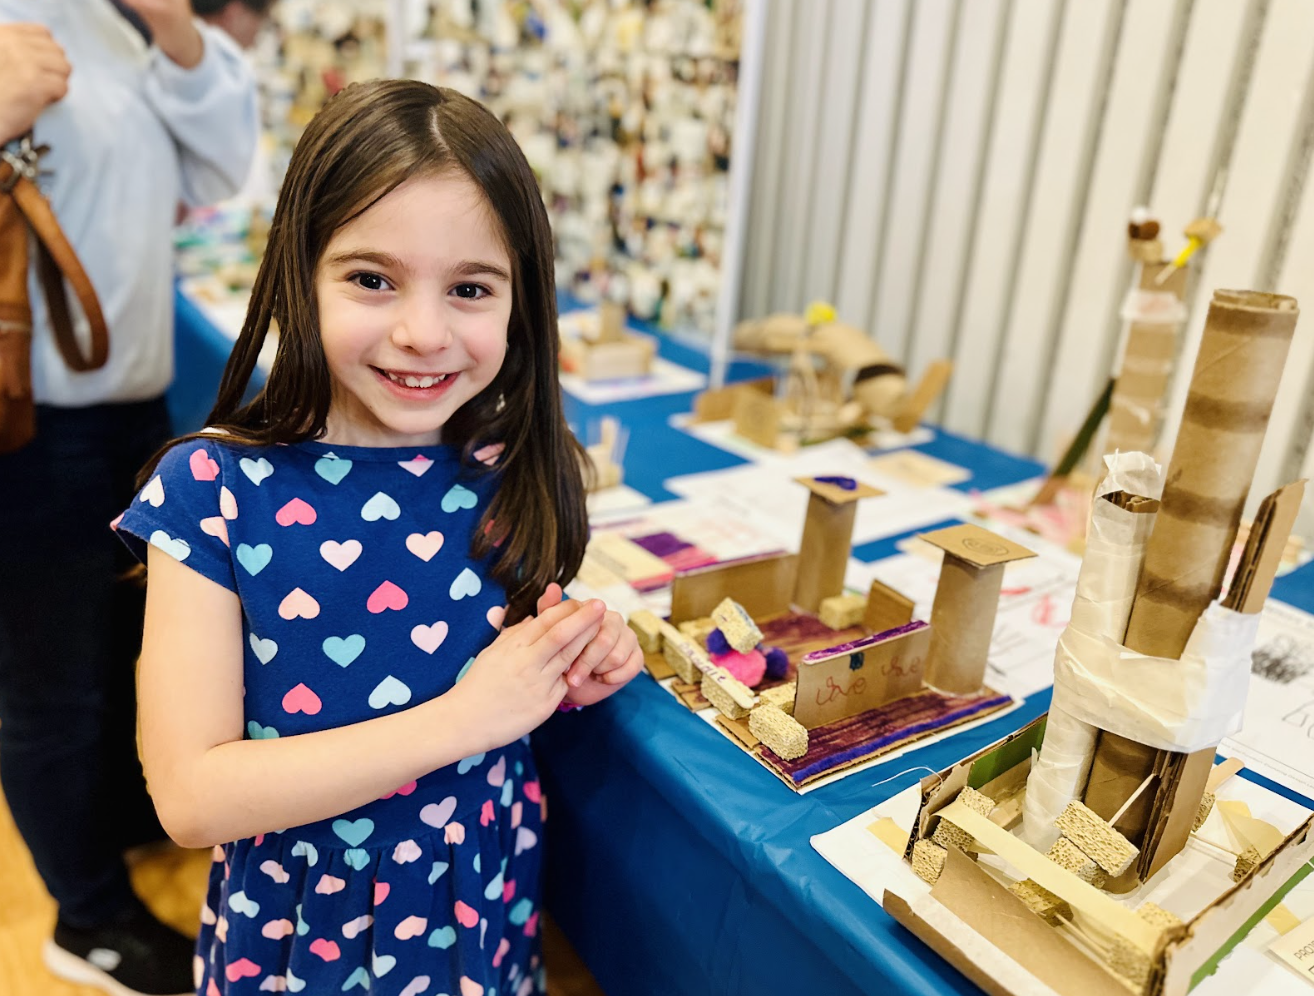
1295	949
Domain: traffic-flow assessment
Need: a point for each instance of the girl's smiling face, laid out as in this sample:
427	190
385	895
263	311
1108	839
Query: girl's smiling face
414	300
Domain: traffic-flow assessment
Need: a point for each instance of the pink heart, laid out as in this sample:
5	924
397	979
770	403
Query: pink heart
496	616
517	813
502	949
412	926
532	791
298	605
465	915
531	925
406	789
469	987
429	638
216	526
387	596
508	891
295	512
406	852
326	949
260	839
275	871
221	929
354	928
416	466
241	969
212	989
425	545
302	699
454	833
489	454
227	504
276	930
203	468
497	773
329	884
418	985
381	890
436	814
487	815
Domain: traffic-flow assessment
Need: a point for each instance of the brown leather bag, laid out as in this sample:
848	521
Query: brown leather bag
23	209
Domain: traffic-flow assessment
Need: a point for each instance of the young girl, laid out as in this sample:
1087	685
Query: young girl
326	677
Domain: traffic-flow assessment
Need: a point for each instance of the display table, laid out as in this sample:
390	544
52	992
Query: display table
676	864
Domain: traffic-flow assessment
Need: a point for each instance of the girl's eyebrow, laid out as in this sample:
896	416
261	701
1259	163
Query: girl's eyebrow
466	268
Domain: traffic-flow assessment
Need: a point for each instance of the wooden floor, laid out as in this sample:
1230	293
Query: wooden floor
172	881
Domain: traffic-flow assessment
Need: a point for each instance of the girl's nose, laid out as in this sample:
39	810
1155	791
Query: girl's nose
423	327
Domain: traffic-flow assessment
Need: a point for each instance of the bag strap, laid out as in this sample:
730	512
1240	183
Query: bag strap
56	261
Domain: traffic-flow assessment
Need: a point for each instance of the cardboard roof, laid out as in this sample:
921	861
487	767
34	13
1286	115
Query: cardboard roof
835	494
977	546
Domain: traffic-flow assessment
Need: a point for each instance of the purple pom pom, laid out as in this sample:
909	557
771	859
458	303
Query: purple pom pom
717	643
777	663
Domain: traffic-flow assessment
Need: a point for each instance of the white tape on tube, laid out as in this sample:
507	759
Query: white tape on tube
1106	586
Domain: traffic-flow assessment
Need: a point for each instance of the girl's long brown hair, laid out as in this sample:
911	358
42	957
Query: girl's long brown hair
365	142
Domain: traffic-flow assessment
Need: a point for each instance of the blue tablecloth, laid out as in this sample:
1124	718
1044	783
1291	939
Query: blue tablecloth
677	865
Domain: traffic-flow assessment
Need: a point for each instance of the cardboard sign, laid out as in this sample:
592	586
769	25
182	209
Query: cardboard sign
1295	949
844	681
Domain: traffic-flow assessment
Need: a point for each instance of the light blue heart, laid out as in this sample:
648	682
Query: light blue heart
383	964
466	763
520	768
439	868
443	937
256	470
343	650
389	691
263	649
519	914
360	977
332	468
467	583
239	903
178	549
257	732
303	928
464	668
381	506
355	857
354	832
254	558
507	786
494	890
302	849
477	864
459	497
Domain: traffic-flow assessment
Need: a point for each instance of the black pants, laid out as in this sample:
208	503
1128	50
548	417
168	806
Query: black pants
70	634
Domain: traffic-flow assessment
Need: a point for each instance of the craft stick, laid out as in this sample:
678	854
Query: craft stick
1222	772
1081	896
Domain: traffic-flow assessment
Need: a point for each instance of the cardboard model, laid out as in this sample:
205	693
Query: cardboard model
614	354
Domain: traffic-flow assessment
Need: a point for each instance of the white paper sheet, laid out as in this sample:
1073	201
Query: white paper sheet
771	489
1277	740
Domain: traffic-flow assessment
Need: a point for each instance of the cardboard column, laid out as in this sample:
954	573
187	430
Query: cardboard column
1236	375
966	599
1136	409
823	554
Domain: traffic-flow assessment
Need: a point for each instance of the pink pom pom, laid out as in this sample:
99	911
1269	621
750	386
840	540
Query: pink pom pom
748	668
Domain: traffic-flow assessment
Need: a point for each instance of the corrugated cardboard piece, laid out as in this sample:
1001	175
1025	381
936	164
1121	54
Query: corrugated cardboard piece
966	600
843	681
827	539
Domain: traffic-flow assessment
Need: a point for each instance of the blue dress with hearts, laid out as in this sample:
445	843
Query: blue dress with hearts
359	598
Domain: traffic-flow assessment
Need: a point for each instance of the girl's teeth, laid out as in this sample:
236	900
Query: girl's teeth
417	381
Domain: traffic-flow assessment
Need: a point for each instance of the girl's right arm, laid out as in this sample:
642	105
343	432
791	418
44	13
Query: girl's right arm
211	786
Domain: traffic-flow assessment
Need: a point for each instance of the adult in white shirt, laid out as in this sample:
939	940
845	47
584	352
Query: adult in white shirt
133	129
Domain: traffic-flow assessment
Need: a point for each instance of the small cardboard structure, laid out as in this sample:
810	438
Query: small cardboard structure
614	354
966	600
827	539
1165	958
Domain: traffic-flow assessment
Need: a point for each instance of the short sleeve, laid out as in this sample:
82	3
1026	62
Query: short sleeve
184	510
